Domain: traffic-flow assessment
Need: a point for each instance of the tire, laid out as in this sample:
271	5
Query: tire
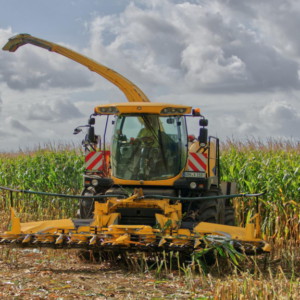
86	206
229	216
209	211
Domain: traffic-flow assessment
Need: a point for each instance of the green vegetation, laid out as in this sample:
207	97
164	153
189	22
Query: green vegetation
274	168
51	170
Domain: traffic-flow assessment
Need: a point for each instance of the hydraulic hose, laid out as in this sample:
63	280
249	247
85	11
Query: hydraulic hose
201	198
139	198
61	195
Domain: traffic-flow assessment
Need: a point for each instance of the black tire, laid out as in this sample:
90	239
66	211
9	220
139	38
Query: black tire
229	216
86	206
209	211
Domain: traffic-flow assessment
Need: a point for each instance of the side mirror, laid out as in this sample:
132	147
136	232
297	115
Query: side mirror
91	134
77	130
91	121
203	135
203	122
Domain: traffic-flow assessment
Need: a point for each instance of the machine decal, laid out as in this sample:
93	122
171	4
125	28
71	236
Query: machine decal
197	162
94	160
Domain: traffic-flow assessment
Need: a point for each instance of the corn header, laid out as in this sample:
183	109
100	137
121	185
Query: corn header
157	188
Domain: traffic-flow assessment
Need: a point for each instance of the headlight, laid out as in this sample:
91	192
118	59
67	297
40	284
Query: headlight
172	110
94	182
193	185
109	110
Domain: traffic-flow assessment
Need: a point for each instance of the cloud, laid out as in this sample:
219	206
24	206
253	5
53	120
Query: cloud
1	102
279	111
55	111
276	21
4	133
211	47
15	124
281	118
237	60
34	68
193	47
269	118
237	126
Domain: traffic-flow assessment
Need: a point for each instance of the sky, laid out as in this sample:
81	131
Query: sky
237	60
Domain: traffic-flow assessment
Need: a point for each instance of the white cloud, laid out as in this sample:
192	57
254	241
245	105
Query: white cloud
281	118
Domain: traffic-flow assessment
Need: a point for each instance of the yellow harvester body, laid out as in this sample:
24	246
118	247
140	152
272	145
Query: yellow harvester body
109	227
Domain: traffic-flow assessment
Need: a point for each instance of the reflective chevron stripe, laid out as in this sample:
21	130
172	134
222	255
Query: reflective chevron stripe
94	161
197	162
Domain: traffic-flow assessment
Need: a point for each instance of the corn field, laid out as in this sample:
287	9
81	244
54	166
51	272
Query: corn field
254	166
274	168
55	170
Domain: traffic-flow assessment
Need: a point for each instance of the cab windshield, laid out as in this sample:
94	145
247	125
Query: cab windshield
149	147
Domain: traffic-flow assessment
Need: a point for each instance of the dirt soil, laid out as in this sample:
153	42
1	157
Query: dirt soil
32	274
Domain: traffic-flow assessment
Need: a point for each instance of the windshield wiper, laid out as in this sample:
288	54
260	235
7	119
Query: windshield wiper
146	121
161	144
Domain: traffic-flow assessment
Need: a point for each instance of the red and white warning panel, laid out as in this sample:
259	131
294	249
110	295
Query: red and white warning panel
94	161
197	162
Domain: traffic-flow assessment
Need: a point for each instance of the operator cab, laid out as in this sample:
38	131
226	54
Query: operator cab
148	147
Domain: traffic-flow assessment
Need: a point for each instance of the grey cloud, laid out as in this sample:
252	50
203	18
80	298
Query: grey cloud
207	48
240	6
225	56
58	110
15	124
276	20
237	60
4	133
266	69
33	68
166	44
1	102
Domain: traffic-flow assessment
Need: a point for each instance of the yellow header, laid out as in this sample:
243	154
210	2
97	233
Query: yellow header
131	91
163	109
